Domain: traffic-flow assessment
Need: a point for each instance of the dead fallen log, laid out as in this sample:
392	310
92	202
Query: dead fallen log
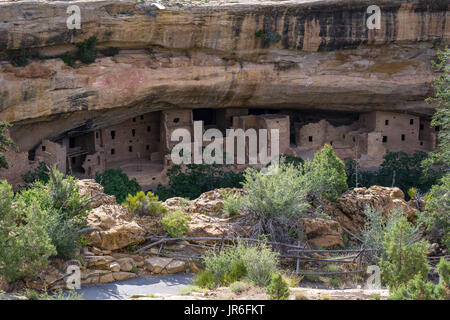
89	229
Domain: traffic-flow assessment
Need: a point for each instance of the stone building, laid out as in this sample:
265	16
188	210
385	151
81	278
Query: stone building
369	138
141	145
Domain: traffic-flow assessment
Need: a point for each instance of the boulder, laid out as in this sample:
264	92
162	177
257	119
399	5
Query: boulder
211	201
175	203
126	264
164	265
322	233
176	266
98	262
118	231
157	264
123	275
106	278
349	208
114	267
201	225
94	191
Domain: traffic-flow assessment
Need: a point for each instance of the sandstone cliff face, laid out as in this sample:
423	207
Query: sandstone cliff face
209	56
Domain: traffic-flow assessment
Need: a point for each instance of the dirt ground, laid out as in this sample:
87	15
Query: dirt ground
225	293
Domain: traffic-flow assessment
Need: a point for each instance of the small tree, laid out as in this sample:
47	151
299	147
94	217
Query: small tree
437	211
5	144
117	183
406	257
373	233
278	289
25	245
326	175
442	115
65	210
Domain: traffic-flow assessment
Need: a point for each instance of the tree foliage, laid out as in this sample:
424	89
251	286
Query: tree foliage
442	115
405	255
193	180
278	288
326	175
398	169
145	204
25	244
175	223
5	143
116	183
437	211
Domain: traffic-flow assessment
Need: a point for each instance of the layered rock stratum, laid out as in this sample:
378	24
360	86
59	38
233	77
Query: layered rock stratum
208	55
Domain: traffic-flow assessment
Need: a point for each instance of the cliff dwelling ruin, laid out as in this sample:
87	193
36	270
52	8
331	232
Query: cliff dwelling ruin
324	78
141	145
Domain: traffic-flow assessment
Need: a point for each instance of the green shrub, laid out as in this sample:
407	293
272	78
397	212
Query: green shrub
275	196
40	173
193	180
175	223
326	177
87	51
232	205
278	288
441	117
444	272
418	289
59	295
145	204
255	263
239	286
25	245
373	233
269	37
206	279
406	257
68	60
65	210
117	183
5	143
437	211
260	262
19	58
226	266
110	51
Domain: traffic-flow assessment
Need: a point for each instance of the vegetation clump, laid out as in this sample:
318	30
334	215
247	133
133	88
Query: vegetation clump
87	51
143	204
254	263
278	289
232	204
116	183
38	223
19	58
40	173
195	179
268	37
5	143
175	223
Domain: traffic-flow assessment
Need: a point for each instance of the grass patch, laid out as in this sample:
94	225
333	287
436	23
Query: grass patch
190	289
300	296
239	287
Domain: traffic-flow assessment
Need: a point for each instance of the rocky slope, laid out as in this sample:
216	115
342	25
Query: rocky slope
208	55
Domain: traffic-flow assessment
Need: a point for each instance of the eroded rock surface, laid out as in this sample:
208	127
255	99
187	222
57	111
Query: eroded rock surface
349	208
210	56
